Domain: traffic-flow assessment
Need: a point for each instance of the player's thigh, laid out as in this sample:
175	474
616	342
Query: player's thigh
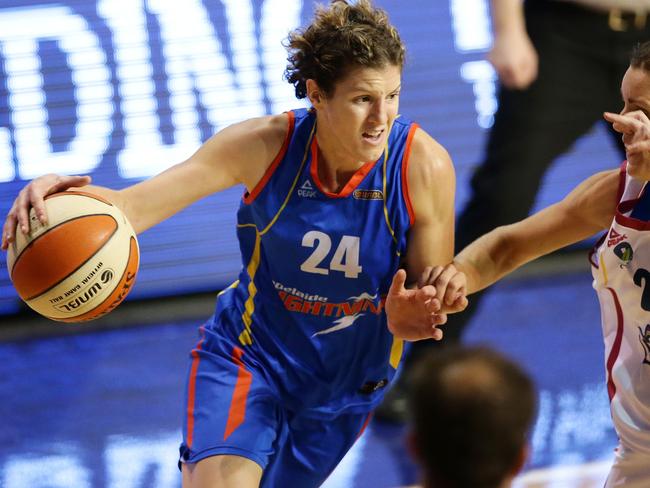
223	471
230	409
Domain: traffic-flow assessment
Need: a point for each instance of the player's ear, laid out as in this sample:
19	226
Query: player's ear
314	93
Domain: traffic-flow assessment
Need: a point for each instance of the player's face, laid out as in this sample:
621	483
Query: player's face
635	90
356	118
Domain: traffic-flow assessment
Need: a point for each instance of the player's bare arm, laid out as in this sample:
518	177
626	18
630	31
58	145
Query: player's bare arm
588	209
431	181
239	154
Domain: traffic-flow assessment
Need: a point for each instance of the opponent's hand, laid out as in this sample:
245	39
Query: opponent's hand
635	130
413	314
515	60
31	196
450	285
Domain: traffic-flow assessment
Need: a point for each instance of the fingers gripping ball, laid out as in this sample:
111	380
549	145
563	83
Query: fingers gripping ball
81	264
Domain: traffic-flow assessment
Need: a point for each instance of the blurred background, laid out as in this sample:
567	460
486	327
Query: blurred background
120	90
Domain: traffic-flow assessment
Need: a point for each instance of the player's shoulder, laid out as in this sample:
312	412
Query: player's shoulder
256	140
246	148
429	161
268	129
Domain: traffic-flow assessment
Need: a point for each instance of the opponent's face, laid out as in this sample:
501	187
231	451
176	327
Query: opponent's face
635	90
356	118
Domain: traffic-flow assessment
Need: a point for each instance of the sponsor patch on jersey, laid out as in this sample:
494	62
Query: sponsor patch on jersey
624	252
306	190
368	194
345	313
614	238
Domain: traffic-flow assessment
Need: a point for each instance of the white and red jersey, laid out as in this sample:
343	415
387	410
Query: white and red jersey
621	270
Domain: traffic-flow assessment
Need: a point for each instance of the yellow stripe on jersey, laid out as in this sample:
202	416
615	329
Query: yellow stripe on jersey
396	352
245	337
232	285
601	263
295	181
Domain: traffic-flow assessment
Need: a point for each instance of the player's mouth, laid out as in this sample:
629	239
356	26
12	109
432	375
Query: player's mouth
373	136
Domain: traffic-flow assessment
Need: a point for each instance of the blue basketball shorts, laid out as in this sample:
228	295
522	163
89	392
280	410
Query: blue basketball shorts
231	409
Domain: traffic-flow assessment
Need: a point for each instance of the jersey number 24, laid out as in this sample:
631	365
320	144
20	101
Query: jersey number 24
345	259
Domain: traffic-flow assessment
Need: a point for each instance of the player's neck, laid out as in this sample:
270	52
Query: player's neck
334	170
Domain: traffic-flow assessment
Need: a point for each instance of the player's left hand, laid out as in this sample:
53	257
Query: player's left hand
413	314
635	129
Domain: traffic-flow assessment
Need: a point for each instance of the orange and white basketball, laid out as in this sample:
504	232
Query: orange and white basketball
81	264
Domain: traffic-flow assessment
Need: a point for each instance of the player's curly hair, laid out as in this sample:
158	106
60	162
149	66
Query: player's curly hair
641	56
341	36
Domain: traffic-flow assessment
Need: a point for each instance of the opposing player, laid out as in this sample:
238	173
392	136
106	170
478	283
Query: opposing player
619	201
338	198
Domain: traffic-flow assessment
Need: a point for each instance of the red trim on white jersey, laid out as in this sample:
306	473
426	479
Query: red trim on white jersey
616	346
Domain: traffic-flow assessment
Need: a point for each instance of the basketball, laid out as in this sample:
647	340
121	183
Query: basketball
81	264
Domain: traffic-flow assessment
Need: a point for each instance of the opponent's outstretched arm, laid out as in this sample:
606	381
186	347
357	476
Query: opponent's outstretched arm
588	209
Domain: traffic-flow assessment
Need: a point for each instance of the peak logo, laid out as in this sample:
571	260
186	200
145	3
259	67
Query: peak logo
306	190
614	238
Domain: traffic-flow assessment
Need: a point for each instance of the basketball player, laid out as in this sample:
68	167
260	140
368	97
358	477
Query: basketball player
617	200
338	198
470	403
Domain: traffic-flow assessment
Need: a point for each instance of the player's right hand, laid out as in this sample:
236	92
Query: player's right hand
515	60
31	196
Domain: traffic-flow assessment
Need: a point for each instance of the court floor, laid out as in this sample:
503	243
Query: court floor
102	409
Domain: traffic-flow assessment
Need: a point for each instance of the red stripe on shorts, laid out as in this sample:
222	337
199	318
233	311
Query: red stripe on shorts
191	394
365	424
237	410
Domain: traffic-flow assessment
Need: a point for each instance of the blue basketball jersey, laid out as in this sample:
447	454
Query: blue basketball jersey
308	308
